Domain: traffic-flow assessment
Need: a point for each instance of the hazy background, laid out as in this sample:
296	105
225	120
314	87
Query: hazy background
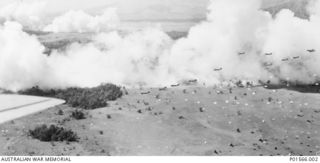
170	15
139	9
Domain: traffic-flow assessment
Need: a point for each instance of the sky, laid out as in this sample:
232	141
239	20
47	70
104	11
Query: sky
135	9
131	9
60	5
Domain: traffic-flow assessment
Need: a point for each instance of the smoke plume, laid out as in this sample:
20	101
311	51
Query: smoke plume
29	14
79	21
237	41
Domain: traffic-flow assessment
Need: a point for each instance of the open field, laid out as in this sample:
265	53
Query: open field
185	120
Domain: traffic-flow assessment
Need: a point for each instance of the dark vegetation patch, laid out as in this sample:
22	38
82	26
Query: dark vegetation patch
60	112
60	45
78	115
5	91
86	98
242	84
175	35
53	133
294	86
35	32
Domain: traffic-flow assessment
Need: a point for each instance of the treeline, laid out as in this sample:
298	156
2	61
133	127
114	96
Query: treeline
85	98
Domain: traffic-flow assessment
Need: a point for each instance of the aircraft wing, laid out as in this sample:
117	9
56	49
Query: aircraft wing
17	106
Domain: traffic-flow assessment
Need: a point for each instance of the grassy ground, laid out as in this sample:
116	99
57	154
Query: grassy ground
181	121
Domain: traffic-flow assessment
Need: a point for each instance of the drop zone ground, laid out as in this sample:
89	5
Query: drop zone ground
186	120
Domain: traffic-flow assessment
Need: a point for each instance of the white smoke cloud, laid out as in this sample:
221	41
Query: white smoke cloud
130	60
22	63
240	26
79	21
232	27
110	58
291	37
235	37
313	7
29	14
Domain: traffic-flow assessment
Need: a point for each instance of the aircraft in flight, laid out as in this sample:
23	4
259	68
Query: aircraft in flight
145	93
268	64
218	69
175	85
241	53
311	50
163	89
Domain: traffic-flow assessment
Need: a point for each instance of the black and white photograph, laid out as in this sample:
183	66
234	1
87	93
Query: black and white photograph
211	78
